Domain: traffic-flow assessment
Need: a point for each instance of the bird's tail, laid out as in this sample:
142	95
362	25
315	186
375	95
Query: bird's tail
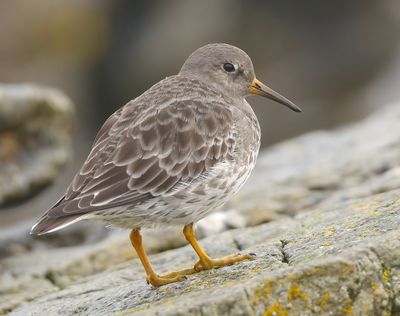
47	224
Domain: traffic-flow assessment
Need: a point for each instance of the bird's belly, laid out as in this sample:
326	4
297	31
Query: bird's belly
186	204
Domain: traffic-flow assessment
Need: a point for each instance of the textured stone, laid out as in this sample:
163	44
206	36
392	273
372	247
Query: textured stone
35	126
323	168
331	244
337	260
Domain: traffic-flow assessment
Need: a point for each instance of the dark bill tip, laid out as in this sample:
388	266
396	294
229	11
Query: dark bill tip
258	88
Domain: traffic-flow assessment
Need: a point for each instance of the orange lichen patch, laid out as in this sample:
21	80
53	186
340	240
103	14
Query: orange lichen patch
294	292
275	310
324	300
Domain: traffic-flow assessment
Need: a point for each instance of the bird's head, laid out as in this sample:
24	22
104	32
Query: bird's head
230	70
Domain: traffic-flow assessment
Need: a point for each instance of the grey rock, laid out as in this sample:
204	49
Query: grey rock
322	168
35	126
327	243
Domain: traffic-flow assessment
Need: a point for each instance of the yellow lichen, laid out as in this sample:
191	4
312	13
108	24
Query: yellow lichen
229	283
314	271
331	231
294	292
375	286
263	291
324	300
257	296
386	276
350	226
348	310
268	287
196	284
327	244
361	237
256	269
275	310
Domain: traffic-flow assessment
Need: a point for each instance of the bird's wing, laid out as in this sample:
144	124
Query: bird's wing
132	162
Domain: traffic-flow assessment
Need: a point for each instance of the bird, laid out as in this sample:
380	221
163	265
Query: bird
171	156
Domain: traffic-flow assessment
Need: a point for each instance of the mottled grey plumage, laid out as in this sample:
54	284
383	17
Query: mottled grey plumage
173	154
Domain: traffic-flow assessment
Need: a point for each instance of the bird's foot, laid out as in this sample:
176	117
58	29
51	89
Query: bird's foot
156	280
170	277
208	263
203	264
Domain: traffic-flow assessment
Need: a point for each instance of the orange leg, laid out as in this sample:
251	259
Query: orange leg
152	277
206	262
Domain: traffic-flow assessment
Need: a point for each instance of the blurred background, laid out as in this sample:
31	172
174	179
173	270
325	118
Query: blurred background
338	60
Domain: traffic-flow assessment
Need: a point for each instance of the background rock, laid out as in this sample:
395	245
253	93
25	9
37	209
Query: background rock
35	137
326	213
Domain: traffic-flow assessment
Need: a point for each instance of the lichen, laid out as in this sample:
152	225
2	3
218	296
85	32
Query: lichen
263	292
294	292
330	232
386	276
275	310
348	309
324	300
375	286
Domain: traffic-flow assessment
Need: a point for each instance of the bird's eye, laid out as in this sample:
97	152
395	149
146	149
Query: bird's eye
228	67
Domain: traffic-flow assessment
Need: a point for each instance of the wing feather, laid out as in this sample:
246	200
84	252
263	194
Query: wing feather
137	157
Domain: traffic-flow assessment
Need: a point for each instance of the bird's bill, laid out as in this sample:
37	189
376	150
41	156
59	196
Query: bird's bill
258	88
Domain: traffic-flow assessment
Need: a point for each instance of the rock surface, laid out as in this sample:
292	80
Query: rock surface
35	126
325	215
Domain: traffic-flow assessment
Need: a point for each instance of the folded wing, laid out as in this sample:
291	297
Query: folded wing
139	157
